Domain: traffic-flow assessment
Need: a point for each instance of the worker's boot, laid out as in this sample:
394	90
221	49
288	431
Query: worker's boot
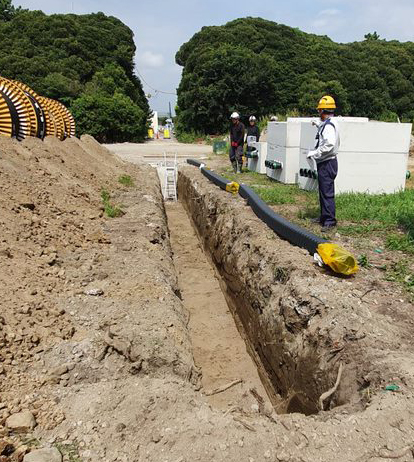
239	167
234	163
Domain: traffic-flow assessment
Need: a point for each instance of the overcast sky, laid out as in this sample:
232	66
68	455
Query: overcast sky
160	27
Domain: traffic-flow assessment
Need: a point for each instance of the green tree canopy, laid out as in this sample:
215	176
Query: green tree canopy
68	57
260	67
7	10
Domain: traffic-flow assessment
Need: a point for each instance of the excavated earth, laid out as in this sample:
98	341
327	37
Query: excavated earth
99	337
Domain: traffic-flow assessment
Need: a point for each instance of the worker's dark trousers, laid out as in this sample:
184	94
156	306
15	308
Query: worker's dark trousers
236	154
327	172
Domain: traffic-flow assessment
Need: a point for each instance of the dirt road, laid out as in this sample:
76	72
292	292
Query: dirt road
153	151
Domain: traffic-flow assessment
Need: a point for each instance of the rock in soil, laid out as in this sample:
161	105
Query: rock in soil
43	455
21	422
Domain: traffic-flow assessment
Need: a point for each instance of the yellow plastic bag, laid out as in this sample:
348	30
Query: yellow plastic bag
233	187
339	259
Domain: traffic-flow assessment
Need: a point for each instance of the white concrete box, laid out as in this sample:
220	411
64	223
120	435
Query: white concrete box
257	164
284	147
372	158
283	141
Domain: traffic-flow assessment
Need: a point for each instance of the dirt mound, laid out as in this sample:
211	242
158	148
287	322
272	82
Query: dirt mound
54	245
94	338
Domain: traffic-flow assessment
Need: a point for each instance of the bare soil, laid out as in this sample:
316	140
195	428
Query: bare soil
95	337
219	351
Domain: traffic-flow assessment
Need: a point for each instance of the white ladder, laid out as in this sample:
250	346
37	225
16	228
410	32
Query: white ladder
170	178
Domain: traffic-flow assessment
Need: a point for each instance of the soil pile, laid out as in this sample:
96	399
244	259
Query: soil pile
96	361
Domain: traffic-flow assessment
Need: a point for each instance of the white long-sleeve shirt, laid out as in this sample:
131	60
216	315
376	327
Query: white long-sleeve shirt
327	141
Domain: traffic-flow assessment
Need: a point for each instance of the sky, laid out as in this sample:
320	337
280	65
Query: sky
161	27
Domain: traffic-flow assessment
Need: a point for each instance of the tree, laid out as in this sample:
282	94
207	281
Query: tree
7	10
67	57
373	36
261	67
110	119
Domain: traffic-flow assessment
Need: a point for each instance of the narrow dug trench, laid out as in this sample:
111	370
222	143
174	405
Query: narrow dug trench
304	329
219	350
271	316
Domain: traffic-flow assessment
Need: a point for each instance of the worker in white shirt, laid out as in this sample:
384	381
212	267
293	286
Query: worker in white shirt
325	154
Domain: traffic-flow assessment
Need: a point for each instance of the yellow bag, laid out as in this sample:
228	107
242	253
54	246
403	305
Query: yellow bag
232	187
339	259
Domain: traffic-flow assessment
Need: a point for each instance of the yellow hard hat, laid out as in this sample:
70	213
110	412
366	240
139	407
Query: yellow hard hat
326	102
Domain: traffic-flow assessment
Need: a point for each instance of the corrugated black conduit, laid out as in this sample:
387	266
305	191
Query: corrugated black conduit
284	228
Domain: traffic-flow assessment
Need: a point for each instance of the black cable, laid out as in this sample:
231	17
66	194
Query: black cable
152	88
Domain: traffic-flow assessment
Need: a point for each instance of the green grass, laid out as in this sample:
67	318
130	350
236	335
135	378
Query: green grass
363	261
70	451
105	196
193	137
401	272
274	196
392	209
126	180
111	210
401	242
389	217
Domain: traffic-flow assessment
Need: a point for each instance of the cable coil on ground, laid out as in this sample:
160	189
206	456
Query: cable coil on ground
24	113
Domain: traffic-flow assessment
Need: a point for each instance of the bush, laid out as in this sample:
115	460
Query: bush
109	119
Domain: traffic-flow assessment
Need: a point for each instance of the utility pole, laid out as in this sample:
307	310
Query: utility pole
170	109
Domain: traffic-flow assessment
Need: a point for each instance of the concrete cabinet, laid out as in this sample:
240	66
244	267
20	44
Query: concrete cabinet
372	158
283	141
256	163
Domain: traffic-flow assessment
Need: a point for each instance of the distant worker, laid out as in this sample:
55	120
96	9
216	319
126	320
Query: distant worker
325	154
236	142
252	133
274	118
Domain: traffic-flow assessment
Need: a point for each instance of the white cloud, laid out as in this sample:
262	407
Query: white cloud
329	12
150	59
328	21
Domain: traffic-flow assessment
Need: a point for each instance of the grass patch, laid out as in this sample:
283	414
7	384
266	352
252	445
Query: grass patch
111	210
392	209
248	178
126	180
363	261
194	137
69	451
274	196
355	230
404	243
390	216
402	273
105	196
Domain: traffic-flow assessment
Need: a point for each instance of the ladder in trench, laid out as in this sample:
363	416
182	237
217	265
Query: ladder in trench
169	168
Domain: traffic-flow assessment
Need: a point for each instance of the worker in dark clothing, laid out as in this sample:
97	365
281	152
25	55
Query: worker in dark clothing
253	129
252	134
236	142
325	154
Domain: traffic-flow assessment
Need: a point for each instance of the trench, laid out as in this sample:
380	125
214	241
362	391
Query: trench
269	306
219	350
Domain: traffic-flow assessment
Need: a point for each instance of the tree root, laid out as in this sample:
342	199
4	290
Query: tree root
223	388
332	390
